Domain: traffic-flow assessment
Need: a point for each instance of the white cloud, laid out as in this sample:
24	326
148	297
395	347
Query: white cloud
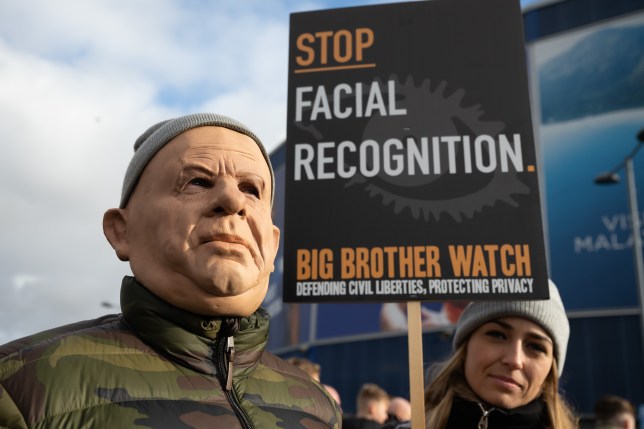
20	281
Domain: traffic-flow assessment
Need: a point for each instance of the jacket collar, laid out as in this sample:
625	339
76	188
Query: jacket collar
188	338
465	413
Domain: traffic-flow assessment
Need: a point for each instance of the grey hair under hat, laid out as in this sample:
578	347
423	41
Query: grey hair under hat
151	141
550	314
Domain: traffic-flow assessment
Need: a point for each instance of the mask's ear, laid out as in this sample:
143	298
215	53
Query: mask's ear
276	242
115	230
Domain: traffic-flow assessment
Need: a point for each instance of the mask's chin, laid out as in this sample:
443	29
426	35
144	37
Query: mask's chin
230	290
242	305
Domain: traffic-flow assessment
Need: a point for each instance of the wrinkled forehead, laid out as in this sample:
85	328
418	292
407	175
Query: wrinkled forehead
215	145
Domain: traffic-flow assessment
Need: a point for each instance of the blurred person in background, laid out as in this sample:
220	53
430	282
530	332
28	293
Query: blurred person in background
399	411
372	403
393	315
614	412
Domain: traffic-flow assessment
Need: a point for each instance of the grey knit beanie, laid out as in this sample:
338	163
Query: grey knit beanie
550	314
151	141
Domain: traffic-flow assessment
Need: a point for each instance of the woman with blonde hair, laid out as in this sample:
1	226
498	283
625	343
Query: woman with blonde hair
504	372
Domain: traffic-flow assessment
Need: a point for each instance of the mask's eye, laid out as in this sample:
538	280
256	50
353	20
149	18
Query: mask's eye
249	188
201	182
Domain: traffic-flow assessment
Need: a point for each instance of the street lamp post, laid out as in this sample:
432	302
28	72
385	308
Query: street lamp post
612	177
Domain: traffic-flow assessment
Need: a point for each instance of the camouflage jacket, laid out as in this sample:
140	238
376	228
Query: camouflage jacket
157	366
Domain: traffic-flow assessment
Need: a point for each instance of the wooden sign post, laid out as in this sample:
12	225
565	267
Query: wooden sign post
416	371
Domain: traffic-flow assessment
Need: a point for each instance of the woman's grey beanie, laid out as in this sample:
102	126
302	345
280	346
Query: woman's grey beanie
151	141
550	314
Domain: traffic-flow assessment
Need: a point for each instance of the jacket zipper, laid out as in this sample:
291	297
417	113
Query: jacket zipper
483	420
225	355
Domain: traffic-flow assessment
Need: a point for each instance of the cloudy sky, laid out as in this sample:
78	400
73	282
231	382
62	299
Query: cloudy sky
79	81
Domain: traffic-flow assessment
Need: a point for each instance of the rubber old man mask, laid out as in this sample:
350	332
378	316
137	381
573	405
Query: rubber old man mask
197	228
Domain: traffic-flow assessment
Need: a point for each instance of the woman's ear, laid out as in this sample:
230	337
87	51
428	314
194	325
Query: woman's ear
115	230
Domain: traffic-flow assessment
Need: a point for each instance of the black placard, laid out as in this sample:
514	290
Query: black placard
411	170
